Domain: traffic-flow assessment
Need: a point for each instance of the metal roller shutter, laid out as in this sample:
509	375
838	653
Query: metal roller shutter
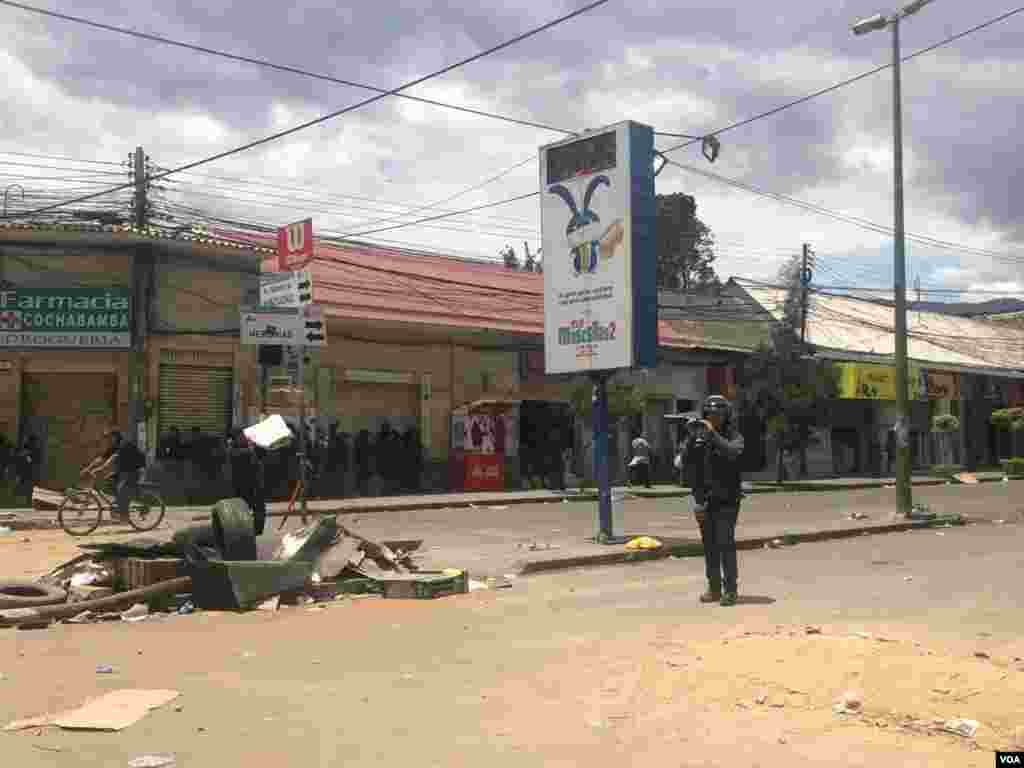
193	396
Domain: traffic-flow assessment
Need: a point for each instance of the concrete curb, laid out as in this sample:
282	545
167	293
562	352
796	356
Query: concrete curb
693	547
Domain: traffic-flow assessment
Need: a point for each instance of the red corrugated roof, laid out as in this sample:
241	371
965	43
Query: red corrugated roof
364	282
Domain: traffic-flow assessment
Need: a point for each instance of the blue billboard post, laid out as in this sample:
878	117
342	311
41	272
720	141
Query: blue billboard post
600	294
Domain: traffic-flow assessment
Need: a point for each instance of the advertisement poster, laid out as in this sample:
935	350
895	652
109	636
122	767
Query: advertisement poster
587	221
484	472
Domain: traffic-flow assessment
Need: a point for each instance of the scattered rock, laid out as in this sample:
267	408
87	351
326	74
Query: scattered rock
961	727
152	761
812	630
104	669
782	739
981	655
908	578
761	699
942	691
849	703
137	612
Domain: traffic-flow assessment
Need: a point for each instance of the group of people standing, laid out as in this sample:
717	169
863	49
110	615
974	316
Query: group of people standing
20	464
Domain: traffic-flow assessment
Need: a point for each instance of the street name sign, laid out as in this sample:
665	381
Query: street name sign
304	327
286	289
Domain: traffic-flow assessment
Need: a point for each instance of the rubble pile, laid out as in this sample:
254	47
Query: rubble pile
223	566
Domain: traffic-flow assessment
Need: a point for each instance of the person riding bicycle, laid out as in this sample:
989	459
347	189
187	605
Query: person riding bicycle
122	460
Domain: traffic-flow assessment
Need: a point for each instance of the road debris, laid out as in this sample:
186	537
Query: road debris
858	515
961	727
152	761
137	612
113	711
812	630
849	703
643	543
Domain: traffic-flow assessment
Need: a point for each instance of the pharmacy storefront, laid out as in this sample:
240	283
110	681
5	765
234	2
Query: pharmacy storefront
64	355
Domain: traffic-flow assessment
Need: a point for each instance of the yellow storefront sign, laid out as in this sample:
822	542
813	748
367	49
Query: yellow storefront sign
868	381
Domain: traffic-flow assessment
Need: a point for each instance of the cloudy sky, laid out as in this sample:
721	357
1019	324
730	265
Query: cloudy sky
690	67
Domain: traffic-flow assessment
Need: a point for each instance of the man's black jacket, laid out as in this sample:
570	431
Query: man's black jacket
711	468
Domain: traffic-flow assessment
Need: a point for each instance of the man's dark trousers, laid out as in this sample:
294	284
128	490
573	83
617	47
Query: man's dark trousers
718	534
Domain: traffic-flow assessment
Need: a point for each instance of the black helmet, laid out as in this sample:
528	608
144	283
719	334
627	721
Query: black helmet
717	404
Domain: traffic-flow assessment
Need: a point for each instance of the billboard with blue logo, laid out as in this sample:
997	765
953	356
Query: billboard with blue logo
597	224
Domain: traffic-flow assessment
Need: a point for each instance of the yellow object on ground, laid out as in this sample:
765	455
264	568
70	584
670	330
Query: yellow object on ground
643	542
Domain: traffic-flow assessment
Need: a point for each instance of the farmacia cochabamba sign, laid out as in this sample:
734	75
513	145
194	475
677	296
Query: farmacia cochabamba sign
65	317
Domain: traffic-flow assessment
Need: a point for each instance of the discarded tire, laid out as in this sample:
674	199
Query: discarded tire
28	594
233	530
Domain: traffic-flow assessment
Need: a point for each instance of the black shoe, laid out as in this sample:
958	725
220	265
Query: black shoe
713	593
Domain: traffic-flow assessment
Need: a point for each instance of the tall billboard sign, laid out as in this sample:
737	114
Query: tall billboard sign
597	225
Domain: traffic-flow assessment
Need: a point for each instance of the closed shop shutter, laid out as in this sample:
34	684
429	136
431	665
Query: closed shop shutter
70	414
194	396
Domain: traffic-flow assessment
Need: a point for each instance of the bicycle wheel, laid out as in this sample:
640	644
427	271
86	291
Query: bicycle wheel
146	511
79	513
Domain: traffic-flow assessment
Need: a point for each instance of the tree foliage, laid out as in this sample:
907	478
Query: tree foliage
685	245
624	400
798	390
510	258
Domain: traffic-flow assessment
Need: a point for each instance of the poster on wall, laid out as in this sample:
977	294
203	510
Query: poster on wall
597	223
480	434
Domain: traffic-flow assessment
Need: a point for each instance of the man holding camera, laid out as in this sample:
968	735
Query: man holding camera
709	457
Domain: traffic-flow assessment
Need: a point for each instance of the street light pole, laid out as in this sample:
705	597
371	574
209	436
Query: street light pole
904	492
904	495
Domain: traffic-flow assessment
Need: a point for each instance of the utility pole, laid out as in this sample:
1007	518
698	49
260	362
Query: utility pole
904	492
141	202
140	282
805	283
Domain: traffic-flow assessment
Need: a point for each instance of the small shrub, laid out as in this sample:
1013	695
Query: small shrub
945	470
1008	418
946	422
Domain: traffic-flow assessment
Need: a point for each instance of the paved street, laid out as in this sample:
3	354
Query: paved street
602	667
494	540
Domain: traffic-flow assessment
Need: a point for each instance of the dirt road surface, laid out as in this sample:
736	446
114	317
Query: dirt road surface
606	667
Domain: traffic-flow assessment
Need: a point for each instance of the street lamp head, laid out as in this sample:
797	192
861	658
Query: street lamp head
914	7
870	24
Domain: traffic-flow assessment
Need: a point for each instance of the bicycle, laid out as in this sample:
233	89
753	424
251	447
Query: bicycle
81	511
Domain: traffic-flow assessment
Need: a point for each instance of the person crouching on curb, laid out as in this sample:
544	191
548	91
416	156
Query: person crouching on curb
710	461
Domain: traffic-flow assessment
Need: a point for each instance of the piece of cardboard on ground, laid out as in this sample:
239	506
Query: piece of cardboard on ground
116	710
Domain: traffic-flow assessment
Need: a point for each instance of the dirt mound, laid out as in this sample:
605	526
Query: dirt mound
771	695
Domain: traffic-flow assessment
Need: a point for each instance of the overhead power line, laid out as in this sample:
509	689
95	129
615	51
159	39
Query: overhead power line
849	81
345	110
846	218
444	215
279	67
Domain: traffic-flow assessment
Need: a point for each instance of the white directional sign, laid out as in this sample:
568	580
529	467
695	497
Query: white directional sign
286	289
304	327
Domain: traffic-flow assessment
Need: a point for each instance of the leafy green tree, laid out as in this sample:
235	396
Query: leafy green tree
685	245
800	389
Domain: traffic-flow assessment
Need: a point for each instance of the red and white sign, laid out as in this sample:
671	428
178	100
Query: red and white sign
484	472
295	245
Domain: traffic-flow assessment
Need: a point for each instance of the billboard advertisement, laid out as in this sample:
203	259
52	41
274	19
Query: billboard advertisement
597	222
